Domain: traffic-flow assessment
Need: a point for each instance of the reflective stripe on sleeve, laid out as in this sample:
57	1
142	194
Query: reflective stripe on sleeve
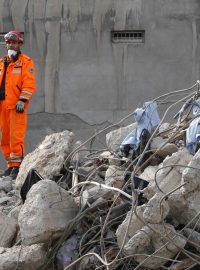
27	92
12	155
15	161
24	97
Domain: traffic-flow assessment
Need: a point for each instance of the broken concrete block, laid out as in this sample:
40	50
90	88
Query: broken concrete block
193	236
191	175
162	148
164	129
25	257
14	213
47	211
159	239
48	158
155	210
6	184
4	200
149	173
179	212
111	173
138	243
118	182
184	203
8	230
91	194
185	208
169	175
115	137
113	159
84	172
2	194
134	225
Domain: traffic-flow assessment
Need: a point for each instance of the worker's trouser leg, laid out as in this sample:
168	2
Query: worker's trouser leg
13	130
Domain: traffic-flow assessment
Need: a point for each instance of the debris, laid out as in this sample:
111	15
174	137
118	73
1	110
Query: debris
162	147
100	209
23	257
185	264
68	252
45	213
48	158
114	138
8	230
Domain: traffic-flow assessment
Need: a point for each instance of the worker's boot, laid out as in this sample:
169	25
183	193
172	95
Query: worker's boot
14	173
7	172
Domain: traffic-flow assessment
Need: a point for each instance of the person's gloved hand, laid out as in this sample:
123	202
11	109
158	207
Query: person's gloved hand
20	106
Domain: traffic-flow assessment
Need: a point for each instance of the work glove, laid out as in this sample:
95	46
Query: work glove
20	106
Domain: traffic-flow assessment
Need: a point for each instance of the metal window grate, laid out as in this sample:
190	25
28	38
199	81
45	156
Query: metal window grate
134	36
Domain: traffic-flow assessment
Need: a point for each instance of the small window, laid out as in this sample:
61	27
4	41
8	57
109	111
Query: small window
134	36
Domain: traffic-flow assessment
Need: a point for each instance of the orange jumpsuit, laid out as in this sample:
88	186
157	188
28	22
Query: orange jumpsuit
19	84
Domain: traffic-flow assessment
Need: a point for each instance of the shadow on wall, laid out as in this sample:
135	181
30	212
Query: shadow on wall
42	124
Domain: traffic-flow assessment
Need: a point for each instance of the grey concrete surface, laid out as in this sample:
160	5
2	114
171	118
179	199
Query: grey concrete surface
80	71
85	79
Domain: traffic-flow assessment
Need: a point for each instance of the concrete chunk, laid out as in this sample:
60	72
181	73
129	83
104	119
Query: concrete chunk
48	158
115	137
27	257
8	230
46	212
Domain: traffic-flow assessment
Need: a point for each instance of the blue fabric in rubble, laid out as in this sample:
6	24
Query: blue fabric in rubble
193	131
193	135
196	107
146	118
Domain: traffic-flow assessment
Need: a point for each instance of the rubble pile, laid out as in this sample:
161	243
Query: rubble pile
134	206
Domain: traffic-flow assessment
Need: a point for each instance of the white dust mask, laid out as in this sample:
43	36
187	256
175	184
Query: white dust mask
11	53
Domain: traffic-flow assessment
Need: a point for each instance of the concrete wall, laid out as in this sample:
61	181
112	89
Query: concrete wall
82	74
80	71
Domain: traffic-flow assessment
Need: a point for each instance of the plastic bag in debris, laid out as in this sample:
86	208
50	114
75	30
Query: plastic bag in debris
32	177
68	253
196	107
193	131
193	135
147	118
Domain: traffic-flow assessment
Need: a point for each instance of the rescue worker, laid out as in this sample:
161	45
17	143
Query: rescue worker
17	86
